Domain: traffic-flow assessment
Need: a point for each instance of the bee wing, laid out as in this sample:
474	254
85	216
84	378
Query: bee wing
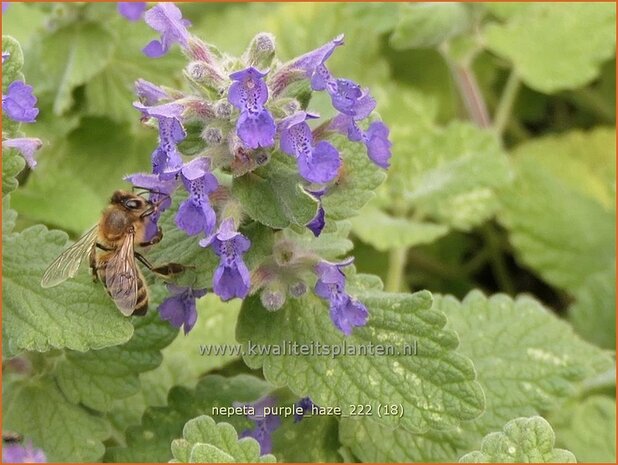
121	276
67	264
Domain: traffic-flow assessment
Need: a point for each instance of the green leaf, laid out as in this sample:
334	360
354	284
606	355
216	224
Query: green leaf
429	24
98	377
556	47
290	440
78	314
449	175
65	431
594	312
178	247
13	64
527	362
63	178
68	58
522	440
12	165
357	180
149	442
183	362
111	92
435	388
588	428
206	441
9	217
331	244
385	232
273	194
560	211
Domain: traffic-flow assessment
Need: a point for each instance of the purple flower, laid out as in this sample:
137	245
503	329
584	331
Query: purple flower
19	103
5	56
318	163
375	138
311	65
265	424
306	404
316	225
345	311
255	126
348	98
5	5
160	196
148	93
27	146
17	453
179	309
132	11
166	19
166	159
231	278
196	215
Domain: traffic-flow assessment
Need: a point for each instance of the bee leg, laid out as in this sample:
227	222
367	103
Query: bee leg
167	270
154	240
93	265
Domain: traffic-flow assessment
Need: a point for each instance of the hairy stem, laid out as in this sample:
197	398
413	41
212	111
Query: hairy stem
505	105
471	94
397	261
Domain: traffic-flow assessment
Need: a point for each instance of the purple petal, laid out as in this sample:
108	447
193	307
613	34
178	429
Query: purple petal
378	144
231	281
166	110
347	313
248	91
17	453
149	93
19	103
195	219
256	130
154	49
309	61
296	138
5	56
27	146
5	5
351	100
132	11
166	19
196	168
316	225
152	182
323	164
179	309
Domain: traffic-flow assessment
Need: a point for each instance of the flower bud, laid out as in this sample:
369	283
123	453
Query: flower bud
272	299
212	135
198	50
261	51
206	76
297	289
223	109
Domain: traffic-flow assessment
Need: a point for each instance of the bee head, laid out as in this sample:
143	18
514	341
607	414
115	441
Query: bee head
129	201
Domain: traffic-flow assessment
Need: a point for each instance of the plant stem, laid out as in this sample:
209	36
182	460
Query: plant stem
498	265
397	261
505	105
471	94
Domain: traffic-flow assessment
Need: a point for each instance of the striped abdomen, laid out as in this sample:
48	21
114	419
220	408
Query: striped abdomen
138	286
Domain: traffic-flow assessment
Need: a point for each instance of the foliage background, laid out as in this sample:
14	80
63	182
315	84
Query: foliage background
503	180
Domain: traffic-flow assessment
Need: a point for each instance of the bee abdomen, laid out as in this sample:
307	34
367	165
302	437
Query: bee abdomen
141	307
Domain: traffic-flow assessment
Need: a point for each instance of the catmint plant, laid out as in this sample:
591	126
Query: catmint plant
19	105
248	112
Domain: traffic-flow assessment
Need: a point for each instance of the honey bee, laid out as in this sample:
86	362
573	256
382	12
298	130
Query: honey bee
110	248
